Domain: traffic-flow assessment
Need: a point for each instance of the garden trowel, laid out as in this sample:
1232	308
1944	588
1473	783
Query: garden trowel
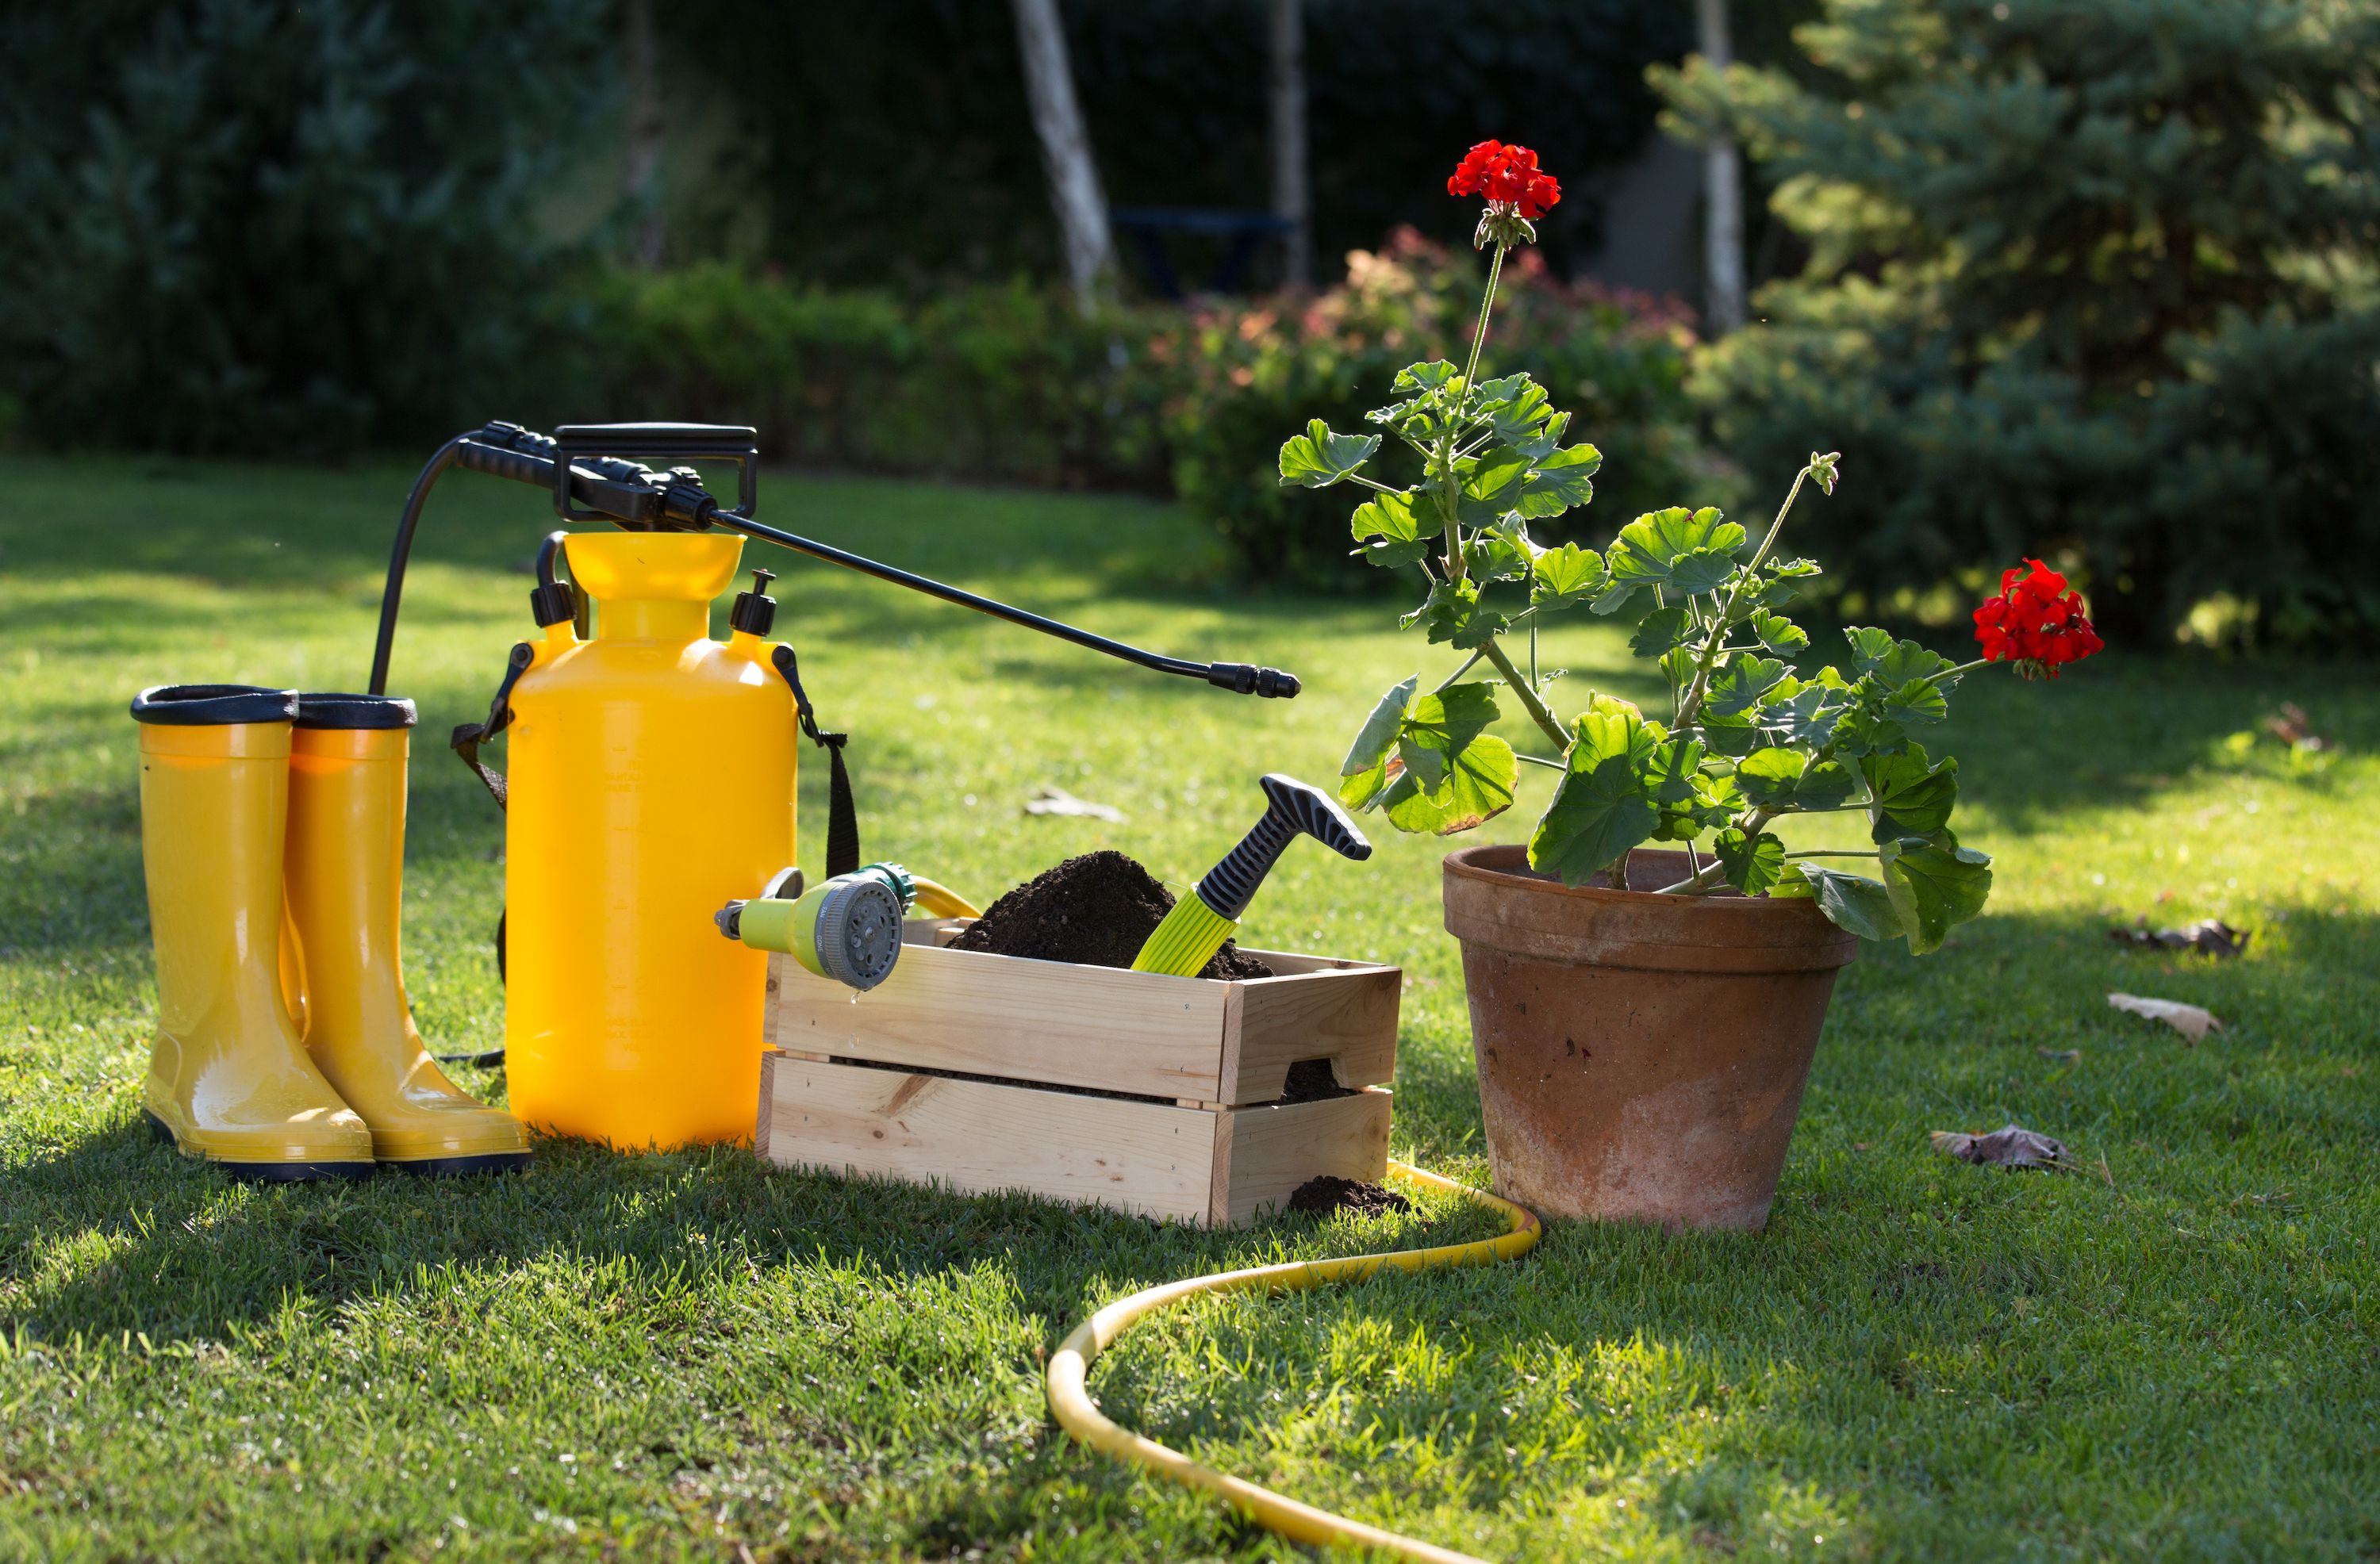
1201	921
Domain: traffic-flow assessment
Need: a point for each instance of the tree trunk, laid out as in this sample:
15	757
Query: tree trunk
1722	190
1290	197
641	181
1074	192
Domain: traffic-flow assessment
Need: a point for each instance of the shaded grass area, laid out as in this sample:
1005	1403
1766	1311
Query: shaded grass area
691	1355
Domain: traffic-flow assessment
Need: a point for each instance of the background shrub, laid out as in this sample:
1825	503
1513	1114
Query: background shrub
1254	376
1009	383
247	225
2090	281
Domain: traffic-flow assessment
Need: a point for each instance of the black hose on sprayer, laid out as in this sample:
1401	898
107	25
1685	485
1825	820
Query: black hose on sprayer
588	484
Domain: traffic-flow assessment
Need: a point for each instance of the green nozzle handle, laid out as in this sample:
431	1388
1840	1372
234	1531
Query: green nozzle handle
1293	809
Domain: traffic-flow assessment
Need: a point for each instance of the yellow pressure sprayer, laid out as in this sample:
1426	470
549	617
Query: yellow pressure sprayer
651	779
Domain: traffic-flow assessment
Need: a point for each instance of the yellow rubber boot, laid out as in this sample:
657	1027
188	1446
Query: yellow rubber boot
345	876
229	1078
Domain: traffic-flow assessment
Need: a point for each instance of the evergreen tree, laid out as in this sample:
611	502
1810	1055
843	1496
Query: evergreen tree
2095	281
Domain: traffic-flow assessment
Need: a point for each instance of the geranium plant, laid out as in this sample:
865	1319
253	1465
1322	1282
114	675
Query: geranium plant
1750	736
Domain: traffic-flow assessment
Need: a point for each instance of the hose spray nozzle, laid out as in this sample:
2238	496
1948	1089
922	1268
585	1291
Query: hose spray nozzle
847	930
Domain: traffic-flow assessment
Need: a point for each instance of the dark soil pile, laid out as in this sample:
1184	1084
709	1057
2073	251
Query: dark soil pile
1097	910
1310	1081
1326	1192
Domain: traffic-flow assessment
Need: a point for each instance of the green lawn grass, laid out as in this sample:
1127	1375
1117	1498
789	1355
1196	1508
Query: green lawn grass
692	1355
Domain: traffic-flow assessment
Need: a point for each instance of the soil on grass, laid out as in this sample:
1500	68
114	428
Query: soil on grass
1326	1193
1097	910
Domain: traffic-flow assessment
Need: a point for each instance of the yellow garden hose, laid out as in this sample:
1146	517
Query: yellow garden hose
941	900
1301	1523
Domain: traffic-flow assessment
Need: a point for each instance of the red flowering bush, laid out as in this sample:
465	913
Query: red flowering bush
1752	733
2035	623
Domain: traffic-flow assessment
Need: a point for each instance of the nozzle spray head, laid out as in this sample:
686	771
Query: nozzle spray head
847	930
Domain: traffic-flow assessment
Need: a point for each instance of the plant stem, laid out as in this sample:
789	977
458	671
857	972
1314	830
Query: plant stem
1539	760
1837	853
1954	673
1449	490
1468	663
1538	709
1479	334
1691	701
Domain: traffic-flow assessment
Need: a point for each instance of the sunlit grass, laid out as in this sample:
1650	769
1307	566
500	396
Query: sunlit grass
683	1354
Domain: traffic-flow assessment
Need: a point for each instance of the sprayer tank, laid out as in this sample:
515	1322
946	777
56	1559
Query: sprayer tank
652	774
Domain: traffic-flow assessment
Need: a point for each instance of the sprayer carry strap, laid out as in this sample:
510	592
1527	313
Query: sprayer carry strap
470	735
842	814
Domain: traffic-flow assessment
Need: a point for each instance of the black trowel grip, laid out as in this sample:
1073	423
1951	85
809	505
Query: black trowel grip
1293	809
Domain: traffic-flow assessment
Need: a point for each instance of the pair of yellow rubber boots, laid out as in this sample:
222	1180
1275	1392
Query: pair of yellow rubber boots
273	830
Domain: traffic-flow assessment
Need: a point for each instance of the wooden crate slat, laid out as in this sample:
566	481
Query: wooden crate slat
1025	1020
1348	1017
1190	1164
1058	1023
1265	1153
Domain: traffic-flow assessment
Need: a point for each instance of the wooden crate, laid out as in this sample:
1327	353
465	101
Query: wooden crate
1191	1039
942	1074
1212	1167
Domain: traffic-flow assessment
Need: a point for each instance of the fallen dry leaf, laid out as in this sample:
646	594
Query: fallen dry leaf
2192	1022
2010	1146
2210	936
2294	728
1057	801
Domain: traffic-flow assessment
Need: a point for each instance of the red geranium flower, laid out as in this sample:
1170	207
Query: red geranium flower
1508	176
2035	623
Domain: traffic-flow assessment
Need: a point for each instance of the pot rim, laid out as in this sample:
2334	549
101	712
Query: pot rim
1467	862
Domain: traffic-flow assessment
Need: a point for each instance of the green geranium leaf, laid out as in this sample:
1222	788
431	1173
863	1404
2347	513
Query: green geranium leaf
1360	791
1559	480
1670	772
1565	576
1601	808
1739	687
1775	780
1732	736
1543	442
1477	787
1915	703
1870	645
1934	887
1852	901
1493	485
1910	795
1387	516
1436	375
1661	630
1907	660
1860	731
1378	734
1390	556
1779	634
1809	714
1318	458
1451	719
1502	553
1752	864
1648	548
1448	608
1426	765
1701	571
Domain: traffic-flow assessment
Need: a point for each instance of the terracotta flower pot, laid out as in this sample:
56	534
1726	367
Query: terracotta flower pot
1641	1057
